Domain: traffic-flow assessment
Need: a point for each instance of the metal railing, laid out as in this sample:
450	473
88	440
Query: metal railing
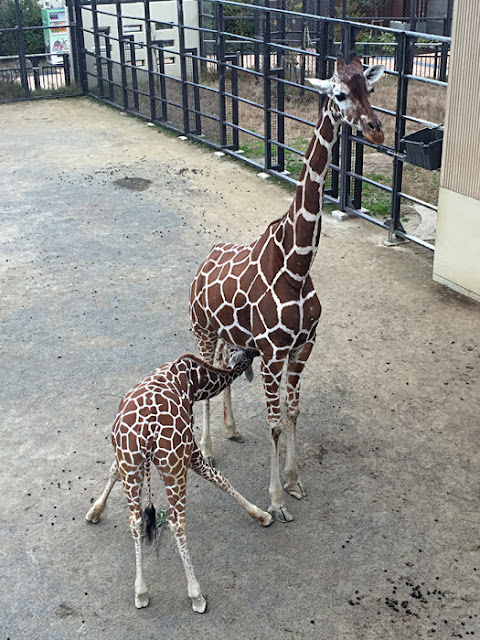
245	93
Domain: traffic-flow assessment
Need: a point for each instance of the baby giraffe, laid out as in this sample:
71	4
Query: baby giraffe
154	423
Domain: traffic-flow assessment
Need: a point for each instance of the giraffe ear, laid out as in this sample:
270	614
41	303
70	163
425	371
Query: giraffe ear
322	86
372	74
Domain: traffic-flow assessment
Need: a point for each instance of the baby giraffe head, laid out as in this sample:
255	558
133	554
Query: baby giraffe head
349	89
240	360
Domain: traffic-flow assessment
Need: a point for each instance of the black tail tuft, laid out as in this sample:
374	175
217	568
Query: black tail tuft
150	524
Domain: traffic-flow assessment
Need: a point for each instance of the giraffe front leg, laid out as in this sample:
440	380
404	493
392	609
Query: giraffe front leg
272	374
296	364
206	439
228	419
207	343
217	478
98	507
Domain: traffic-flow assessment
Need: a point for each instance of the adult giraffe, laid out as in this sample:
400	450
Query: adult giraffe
260	296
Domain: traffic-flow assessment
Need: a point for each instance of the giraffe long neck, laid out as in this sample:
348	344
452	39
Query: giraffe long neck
301	226
207	382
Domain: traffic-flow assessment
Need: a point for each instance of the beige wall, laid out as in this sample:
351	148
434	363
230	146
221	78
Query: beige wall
457	248
133	24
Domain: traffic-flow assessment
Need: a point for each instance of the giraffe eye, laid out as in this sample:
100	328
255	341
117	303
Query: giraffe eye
340	97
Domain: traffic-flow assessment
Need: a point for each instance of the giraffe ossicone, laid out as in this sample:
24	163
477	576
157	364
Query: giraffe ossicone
260	296
154	425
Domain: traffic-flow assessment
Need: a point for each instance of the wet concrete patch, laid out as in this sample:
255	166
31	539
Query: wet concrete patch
133	184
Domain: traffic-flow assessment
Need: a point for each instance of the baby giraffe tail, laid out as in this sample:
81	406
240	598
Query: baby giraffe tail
150	524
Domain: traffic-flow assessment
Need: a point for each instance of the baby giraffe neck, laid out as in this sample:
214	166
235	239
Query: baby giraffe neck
209	381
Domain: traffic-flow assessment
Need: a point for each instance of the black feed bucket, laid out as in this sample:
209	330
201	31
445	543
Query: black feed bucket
424	148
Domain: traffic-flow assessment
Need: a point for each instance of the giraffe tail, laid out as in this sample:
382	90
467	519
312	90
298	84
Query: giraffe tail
150	523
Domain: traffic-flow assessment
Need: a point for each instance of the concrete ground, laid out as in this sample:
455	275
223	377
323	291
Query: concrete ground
103	223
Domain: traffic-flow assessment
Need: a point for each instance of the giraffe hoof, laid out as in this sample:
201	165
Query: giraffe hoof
199	605
296	490
281	514
237	437
266	519
142	600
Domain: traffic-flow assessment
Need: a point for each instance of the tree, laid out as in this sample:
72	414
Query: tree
31	17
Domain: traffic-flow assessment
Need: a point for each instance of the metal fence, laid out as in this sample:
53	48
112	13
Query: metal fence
30	65
237	84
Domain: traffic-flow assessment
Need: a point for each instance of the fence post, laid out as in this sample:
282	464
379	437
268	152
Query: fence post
96	40
231	61
121	46
80	51
193	55
220	45
183	66
74	40
267	88
21	49
257	34
66	69
405	64
345	140
151	77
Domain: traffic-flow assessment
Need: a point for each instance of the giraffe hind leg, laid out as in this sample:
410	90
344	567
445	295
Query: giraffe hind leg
176	494
98	507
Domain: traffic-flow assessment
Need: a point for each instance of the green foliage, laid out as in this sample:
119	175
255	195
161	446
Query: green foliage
238	20
31	17
364	8
387	40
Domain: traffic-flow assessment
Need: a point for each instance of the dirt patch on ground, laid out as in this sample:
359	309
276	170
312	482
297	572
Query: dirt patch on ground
94	284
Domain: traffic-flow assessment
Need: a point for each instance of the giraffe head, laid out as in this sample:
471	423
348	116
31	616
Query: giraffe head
240	360
348	90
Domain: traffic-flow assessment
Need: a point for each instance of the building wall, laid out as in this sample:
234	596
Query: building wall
457	249
134	26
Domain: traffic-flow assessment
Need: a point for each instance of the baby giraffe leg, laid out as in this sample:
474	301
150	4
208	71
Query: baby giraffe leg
176	494
98	507
217	478
142	595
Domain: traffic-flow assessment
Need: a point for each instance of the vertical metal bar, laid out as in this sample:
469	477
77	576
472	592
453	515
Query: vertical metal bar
82	65
267	87
358	184
96	40
201	36
75	53
150	64
133	63
161	71
108	54
257	34
36	78
235	118
447	31
21	49
220	23
345	140
183	67
66	69
280	119
121	45
405	63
